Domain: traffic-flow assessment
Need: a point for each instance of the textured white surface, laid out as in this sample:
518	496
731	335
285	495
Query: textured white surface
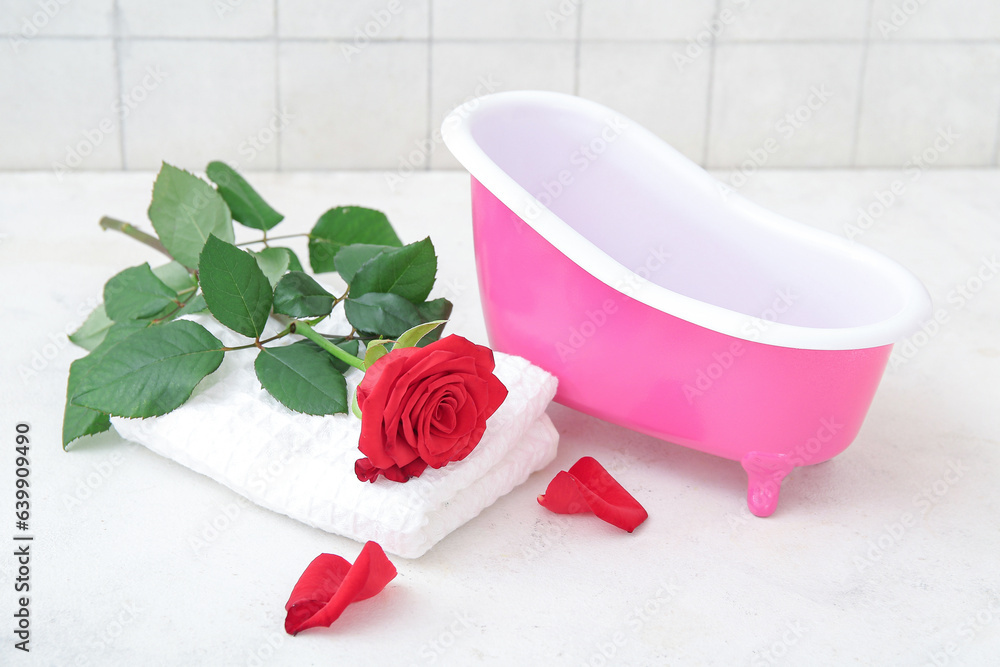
138	561
303	465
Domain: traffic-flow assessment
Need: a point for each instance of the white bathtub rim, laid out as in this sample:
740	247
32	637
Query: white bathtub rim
457	135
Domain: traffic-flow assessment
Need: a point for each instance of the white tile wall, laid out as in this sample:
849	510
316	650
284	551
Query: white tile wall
795	101
363	84
630	20
781	20
352	110
30	18
506	19
464	70
935	20
956	89
56	108
644	82
238	122
196	18
358	20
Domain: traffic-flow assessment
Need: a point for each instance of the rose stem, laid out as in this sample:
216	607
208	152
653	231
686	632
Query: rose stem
303	329
134	232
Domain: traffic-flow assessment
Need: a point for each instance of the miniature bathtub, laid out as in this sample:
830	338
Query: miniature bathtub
665	302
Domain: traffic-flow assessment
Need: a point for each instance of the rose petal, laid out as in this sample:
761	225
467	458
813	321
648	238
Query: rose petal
329	584
367	472
589	487
425	407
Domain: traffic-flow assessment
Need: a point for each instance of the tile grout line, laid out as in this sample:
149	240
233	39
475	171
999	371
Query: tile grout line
518	40
278	106
430	84
996	148
119	85
707	135
577	44
859	106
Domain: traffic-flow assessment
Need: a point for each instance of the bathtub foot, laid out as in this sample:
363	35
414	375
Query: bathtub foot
765	472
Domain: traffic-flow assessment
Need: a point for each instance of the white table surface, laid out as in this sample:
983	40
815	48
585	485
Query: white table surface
119	578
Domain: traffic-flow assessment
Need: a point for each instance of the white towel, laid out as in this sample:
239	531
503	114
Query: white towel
303	466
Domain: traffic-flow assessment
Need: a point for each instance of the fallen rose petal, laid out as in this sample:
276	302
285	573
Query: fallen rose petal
588	487
330	583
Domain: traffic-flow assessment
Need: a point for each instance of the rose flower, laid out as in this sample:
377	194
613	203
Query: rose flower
425	407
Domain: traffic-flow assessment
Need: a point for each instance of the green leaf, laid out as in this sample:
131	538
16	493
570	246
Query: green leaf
136	293
347	225
273	262
349	346
236	290
195	305
185	211
293	260
150	372
408	271
411	337
80	421
94	328
298	295
375	351
176	276
248	207
302	378
438	309
385	314
352	257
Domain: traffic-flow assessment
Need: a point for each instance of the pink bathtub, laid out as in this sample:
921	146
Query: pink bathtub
665	302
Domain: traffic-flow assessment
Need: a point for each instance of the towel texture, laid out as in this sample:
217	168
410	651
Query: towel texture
303	466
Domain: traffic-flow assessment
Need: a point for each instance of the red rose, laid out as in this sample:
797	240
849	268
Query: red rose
425	406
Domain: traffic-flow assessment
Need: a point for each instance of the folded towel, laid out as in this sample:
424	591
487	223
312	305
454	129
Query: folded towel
303	466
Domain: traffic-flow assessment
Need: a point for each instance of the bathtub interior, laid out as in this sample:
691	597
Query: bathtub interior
662	217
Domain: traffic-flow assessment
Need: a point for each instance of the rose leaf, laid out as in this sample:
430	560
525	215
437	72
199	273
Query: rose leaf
347	225
248	208
298	295
384	314
150	372
185	211
408	271
237	292
136	293
303	378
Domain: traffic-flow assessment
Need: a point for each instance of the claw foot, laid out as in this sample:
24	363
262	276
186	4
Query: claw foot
765	472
